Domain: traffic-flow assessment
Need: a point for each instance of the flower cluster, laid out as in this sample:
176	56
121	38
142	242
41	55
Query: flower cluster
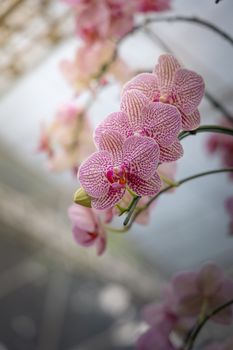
190	295
89	63
131	143
100	24
98	20
67	140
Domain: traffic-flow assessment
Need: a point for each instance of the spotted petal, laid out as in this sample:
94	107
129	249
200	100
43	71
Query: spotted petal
165	71
145	187
116	121
191	121
112	142
141	155
92	174
171	153
146	83
109	199
188	90
163	121
132	103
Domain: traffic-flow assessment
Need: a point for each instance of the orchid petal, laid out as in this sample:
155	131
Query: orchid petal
115	122
146	83
92	174
184	284
82	217
112	197
141	155
143	187
209	279
171	153
164	122
165	71
132	103
188	90
112	142
190	121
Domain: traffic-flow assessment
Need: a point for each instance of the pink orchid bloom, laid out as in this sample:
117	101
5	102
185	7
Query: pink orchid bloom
98	20
170	84
87	228
227	345
204	290
158	120
154	338
120	163
82	72
68	139
153	5
229	208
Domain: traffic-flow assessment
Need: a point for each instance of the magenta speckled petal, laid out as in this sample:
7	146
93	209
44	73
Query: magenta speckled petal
165	71
171	153
191	121
132	103
142	187
112	197
145	83
92	174
141	155
163	121
112	142
117	121
188	90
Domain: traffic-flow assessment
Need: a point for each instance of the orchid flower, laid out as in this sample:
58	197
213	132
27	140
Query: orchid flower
119	164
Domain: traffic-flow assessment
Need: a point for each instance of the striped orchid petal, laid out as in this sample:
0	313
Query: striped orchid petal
132	103
146	83
191	121
112	142
163	122
117	121
145	187
165	71
141	156
92	174
188	90
109	199
171	153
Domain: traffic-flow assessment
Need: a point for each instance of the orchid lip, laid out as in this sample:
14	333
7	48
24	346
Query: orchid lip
117	176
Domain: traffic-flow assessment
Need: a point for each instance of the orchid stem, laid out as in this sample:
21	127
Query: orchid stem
207	128
131	209
116	230
178	183
200	324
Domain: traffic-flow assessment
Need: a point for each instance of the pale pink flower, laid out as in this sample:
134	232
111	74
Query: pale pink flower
120	163
204	290
169	84
155	338
68	139
153	5
83	72
139	116
44	142
87	228
98	20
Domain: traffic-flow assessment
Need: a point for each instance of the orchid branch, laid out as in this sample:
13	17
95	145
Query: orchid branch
200	325
130	218
207	128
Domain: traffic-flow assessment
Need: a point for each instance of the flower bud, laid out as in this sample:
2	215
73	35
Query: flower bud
82	198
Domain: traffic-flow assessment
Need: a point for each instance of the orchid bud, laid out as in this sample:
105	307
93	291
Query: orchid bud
82	198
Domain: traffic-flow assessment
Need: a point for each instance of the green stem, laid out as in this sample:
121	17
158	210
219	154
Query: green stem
200	325
116	230
131	209
207	128
178	183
